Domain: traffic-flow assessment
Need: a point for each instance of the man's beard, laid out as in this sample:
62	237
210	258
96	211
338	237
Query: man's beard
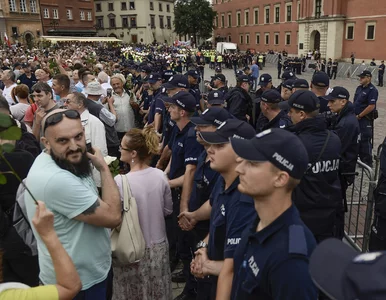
81	169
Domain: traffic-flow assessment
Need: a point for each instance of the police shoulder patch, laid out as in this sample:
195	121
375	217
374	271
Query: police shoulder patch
297	240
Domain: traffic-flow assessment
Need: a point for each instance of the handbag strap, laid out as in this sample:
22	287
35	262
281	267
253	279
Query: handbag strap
127	195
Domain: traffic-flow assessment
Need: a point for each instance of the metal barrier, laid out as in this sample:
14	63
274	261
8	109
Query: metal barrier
377	161
360	203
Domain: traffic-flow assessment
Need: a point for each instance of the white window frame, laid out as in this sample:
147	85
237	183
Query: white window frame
69	14
265	38
55	13
229	23
254	14
82	15
247	39
89	16
12	5
257	35
245	17
285	36
238	13
33	6
265	14
46	13
353	33
274	13
23	6
276	34
367	26
292	11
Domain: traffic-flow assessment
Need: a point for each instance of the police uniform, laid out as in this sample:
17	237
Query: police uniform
365	96
318	196
381	72
167	74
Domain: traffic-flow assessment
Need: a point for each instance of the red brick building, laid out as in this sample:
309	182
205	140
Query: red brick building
335	27
68	18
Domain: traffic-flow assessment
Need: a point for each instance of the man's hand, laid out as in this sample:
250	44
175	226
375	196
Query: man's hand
39	115
43	221
187	220
200	259
97	159
110	100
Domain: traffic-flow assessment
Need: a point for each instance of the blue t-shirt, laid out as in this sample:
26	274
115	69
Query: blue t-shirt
255	71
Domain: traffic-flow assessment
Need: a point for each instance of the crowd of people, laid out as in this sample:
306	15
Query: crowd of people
239	185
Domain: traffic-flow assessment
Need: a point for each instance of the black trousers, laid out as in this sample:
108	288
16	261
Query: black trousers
23	269
380	79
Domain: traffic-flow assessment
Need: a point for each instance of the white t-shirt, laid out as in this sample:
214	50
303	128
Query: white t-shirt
7	93
18	110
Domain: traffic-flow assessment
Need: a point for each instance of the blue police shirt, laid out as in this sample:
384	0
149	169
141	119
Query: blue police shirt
365	96
195	91
185	150
156	106
146	100
273	263
167	127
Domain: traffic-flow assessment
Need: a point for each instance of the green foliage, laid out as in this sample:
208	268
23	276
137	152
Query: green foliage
194	18
114	168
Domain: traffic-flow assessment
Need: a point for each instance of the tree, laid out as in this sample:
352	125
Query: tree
194	18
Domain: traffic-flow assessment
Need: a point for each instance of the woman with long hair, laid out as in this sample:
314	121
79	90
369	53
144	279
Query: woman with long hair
150	278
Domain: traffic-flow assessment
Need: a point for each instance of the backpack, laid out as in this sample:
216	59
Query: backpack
20	220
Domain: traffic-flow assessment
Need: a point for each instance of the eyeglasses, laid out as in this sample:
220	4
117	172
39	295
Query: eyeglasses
57	117
121	148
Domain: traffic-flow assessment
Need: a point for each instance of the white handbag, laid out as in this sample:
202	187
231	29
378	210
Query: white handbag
127	242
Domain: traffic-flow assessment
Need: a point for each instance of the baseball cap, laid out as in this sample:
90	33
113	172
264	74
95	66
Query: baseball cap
163	95
342	273
25	65
271	96
265	79
338	92
193	73
212	116
218	69
216	97
288	75
281	148
177	81
239	73
183	99
243	78
230	128
288	84
301	83
145	69
304	100
320	79
220	77
154	77
365	73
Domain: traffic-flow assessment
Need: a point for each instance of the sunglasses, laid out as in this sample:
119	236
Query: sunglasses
58	117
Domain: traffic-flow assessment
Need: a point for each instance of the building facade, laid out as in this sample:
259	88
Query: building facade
140	21
337	28
20	21
68	18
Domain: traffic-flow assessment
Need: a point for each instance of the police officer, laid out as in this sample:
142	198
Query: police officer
157	106
300	85
271	261
215	99
182	165
381	72
230	211
286	92
193	77
219	83
239	102
346	126
318	196
166	74
365	99
285	76
334	70
279	65
204	180
272	115
265	83
329	66
320	83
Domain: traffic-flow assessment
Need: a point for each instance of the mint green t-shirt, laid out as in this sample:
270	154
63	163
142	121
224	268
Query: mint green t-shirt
67	196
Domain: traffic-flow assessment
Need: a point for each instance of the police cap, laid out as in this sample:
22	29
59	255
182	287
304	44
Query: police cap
338	92
212	116
304	100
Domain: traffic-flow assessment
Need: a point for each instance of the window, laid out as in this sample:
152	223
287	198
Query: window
229	20
112	22
370	31
89	16
241	39
246	18
132	5
267	38
256	17
276	41
169	22
247	38
111	6
289	13
238	15
350	31
151	6
161	22
288	38
152	21
46	13
14	30
229	39
69	14
222	21
160	6
216	22
98	7
55	13
277	14
318	8
33	6
167	7
82	17
123	6
23	6
100	22
12	5
267	15
133	22
257	38
125	22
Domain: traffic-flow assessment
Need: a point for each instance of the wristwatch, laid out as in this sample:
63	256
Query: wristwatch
201	244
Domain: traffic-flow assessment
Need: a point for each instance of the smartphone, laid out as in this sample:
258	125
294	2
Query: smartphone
109	92
89	148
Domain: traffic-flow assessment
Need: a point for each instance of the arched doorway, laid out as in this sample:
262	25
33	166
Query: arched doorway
315	40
